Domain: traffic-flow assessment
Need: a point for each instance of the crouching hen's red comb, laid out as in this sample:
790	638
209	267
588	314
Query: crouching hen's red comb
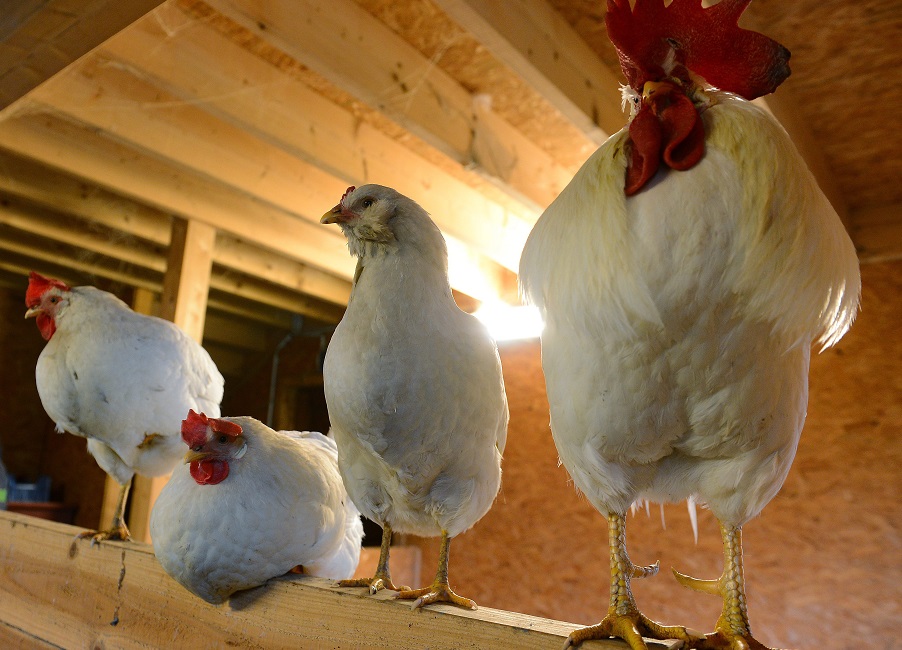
194	428
38	285
347	191
709	42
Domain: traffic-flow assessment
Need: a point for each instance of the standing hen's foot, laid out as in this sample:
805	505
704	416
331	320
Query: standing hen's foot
437	593
375	584
440	591
732	631
116	533
624	620
382	579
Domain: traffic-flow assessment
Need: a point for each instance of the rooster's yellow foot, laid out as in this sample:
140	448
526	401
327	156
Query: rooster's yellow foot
722	640
631	628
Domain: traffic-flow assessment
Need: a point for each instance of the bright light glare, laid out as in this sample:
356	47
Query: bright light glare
510	322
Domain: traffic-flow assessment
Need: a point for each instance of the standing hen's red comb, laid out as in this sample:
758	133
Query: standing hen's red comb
709	42
347	191
194	428
38	285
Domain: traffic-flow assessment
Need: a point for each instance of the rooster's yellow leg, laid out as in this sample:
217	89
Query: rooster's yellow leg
382	579
732	631
117	529
440	591
624	620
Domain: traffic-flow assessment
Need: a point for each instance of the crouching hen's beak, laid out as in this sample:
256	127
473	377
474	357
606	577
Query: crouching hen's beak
338	214
192	456
31	313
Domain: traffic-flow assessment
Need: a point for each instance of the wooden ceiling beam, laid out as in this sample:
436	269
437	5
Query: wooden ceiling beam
26	179
105	96
43	135
38	38
535	41
346	45
231	83
46	237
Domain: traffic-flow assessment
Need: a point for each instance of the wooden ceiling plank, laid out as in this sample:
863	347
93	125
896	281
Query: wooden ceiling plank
534	41
322	132
26	179
345	44
43	223
66	145
232	155
38	39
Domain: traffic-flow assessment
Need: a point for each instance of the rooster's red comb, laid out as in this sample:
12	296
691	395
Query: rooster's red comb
38	285
194	428
347	191
709	42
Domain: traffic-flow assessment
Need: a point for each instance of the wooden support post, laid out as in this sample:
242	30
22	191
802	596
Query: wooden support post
184	302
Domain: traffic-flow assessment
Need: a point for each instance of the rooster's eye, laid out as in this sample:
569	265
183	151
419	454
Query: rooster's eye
223	440
54	300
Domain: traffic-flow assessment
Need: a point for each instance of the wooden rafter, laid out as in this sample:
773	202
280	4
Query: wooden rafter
38	38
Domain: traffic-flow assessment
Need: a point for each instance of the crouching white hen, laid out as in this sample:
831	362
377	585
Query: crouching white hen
251	504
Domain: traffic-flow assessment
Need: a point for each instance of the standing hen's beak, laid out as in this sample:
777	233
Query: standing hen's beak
338	214
34	311
192	456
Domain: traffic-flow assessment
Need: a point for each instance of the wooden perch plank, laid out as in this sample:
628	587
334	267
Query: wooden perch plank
40	38
532	39
61	591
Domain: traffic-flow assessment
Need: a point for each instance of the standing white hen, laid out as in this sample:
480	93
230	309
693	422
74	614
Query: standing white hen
122	380
253	504
681	299
413	386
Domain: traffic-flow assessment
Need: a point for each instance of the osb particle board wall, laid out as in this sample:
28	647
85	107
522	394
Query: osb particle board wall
822	561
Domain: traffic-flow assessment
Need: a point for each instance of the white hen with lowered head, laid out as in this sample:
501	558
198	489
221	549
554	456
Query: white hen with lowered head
684	274
252	504
120	379
413	385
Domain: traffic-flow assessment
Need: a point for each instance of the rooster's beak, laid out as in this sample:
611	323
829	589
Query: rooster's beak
31	313
338	214
652	87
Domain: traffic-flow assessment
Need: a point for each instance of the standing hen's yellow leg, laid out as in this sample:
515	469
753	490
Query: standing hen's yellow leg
117	529
624	620
732	631
382	579
440	591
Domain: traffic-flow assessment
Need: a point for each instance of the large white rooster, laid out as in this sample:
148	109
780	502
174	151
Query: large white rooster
684	274
122	380
252	504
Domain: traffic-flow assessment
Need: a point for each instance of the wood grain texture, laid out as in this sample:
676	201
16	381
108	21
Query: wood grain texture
61	592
